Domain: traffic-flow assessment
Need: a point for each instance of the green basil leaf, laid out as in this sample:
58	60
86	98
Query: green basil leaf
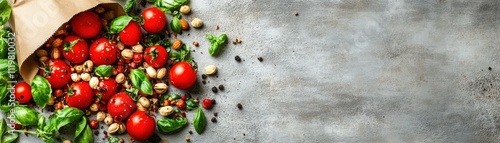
24	115
175	96
63	117
81	126
4	93
3	128
175	24
86	136
213	49
190	104
112	139
167	125
222	39
140	81
119	23
169	7
41	121
199	121
40	90
7	70
130	7
5	34
5	11
104	70
9	137
211	38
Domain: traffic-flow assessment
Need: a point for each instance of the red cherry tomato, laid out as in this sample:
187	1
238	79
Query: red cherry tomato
140	126
154	20
103	52
107	88
86	24
182	75
57	72
78	53
120	106
156	56
22	92
131	35
80	95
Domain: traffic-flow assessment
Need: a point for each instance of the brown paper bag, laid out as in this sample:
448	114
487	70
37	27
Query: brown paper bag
34	21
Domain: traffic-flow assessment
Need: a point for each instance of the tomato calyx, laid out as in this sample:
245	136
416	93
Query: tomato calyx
46	69
70	92
68	46
99	96
154	54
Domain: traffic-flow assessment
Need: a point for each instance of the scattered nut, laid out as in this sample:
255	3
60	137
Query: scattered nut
79	68
140	107
94	82
127	54
161	88
85	76
211	69
166	110
184	24
120	45
120	78
59	32
44	59
122	128
176	44
126	84
75	77
185	9
113	128
108	120
100	116
109	15
66	141
41	53
196	23
195	43
161	73
57	43
94	107
100	9
55	53
151	72
137	48
144	102
88	66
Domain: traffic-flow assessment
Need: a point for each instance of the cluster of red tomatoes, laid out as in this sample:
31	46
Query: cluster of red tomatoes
85	38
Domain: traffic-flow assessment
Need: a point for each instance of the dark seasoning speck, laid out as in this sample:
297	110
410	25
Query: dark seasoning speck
237	58
240	106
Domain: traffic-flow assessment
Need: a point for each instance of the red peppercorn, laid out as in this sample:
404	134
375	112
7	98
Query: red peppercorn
137	58
207	103
181	104
94	124
58	93
176	115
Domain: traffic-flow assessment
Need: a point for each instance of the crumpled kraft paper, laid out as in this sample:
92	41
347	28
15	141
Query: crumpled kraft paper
34	21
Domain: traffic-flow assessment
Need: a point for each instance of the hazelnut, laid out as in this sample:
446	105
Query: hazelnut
44	59
211	69
160	88
122	128
144	102
151	72
196	23
113	128
161	73
127	54
120	78
94	107
99	9
75	77
184	24
108	120
137	48
57	43
120	45
88	66
55	53
195	43
185	9
100	116
109	15
176	44
166	110
41	53
79	68
85	76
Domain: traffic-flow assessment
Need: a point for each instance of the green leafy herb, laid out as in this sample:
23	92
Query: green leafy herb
168	7
140	81
6	135
130	7
40	90
112	139
199	121
8	69
190	104
155	39
84	135
24	115
81	126
41	122
104	70
62	118
175	96
119	23
175	24
5	35
5	103
167	125
216	44
5	11
182	54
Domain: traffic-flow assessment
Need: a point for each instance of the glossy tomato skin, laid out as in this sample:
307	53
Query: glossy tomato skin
22	92
131	35
154	20
78	53
182	75
140	126
156	56
107	88
103	52
86	24
81	97
120	106
60	73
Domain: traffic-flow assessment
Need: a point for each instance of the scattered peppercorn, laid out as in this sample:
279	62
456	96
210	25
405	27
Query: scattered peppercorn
215	114
489	68
240	106
221	87
96	133
237	58
204	76
190	132
213	101
204	82
214	89
214	120
297	14
260	59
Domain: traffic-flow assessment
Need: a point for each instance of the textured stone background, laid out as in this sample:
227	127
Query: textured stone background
351	71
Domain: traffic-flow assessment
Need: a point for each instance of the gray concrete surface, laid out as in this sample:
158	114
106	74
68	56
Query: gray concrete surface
351	71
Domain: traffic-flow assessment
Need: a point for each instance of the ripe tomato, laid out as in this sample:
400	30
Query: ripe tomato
57	72
107	88
103	52
156	56
78	53
132	34
154	20
86	24
22	92
140	126
80	95
120	106
182	75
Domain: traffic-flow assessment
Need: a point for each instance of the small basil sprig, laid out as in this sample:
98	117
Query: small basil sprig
175	24
190	104
24	115
5	104
167	125
217	43
6	68
7	135
104	70
119	23
83	133
130	7
62	118
40	90
168	7
5	11
140	81
182	54
112	139
199	121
